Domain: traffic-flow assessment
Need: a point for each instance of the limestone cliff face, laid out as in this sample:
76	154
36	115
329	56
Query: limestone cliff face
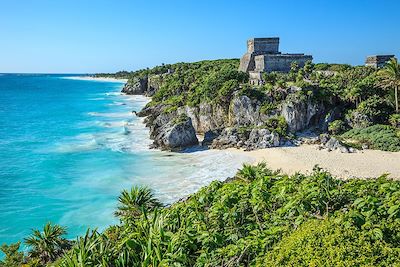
137	86
206	117
243	111
147	86
223	124
301	114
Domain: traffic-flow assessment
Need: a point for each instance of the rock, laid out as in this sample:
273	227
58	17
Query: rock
209	137
352	150
275	139
332	115
229	137
364	146
136	87
176	134
334	144
243	111
262	138
299	114
324	138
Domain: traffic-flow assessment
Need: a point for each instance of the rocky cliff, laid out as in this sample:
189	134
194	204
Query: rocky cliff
241	123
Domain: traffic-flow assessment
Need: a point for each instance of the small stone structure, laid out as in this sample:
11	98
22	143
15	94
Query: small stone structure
377	61
263	56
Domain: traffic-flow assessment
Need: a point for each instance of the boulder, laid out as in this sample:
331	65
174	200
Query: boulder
229	137
334	144
209	137
175	134
261	138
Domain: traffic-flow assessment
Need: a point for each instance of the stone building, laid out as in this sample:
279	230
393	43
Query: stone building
377	61
263	56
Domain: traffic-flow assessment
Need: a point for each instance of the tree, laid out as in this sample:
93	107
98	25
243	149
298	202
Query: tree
13	257
133	203
390	78
294	67
308	68
48	245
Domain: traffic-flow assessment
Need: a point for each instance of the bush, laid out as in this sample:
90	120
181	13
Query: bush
375	108
258	218
268	107
331	242
277	124
394	120
336	127
382	137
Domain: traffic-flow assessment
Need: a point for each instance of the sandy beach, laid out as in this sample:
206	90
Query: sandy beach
102	79
363	164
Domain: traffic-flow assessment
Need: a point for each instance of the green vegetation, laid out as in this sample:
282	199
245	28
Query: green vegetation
382	137
258	218
336	127
391	79
362	96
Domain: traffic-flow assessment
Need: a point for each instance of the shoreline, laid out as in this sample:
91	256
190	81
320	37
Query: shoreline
362	164
96	79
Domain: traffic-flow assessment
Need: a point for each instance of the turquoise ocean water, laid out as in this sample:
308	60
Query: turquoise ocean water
68	146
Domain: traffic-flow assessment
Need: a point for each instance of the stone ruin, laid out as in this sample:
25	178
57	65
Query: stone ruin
377	61
263	56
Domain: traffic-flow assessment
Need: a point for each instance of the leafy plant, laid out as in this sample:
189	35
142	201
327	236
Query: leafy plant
382	137
49	244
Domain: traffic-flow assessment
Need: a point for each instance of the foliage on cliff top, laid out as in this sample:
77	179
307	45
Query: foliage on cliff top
204	81
260	217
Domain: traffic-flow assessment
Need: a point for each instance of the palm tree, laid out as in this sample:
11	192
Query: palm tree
48	245
390	78
134	202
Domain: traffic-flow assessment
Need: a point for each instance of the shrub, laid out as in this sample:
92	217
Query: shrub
375	108
330	242
277	124
258	218
394	120
382	137
268	107
336	127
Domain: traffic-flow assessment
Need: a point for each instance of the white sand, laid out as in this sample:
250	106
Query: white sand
102	79
363	164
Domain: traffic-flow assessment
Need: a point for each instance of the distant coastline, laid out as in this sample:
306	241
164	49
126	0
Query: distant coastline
99	79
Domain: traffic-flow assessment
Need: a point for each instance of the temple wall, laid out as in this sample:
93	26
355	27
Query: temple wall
281	63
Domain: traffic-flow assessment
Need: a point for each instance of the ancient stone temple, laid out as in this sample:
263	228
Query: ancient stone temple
263	56
377	61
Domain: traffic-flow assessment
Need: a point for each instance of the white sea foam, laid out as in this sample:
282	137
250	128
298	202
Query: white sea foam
96	98
117	103
113	93
111	114
94	79
76	146
190	171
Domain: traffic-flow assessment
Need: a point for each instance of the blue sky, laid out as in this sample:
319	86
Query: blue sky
66	36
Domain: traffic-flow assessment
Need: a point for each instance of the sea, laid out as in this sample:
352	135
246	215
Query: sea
69	145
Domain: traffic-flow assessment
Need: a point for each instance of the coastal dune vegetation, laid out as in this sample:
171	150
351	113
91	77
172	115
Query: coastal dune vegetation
259	217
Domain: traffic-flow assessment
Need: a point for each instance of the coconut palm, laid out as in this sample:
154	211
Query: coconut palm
390	78
136	201
48	245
